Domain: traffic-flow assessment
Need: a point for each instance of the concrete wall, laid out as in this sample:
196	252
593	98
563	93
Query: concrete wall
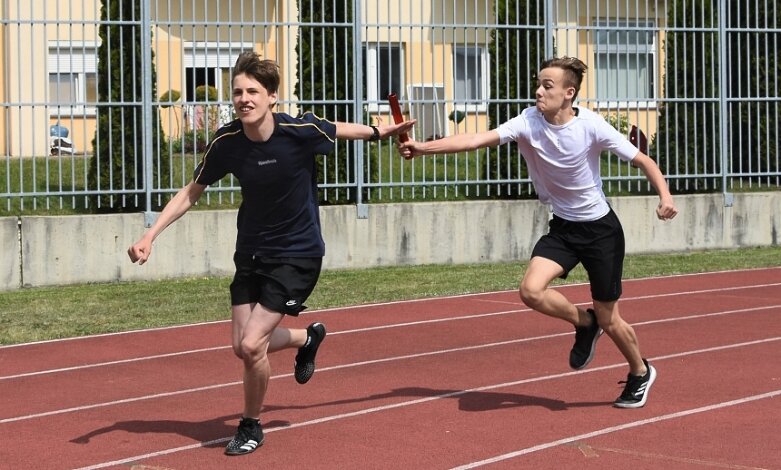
10	261
79	249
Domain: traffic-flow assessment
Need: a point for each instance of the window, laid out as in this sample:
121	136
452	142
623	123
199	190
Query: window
218	78
209	65
384	69
470	80
73	82
625	54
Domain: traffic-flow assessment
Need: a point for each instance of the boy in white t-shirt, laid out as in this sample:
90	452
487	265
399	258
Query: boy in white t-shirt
562	145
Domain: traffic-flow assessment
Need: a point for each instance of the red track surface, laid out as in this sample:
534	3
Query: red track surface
441	383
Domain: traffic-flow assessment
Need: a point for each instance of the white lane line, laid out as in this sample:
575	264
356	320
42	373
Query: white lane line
383	327
404	404
394	302
112	363
396	325
388	359
593	451
217	348
621	427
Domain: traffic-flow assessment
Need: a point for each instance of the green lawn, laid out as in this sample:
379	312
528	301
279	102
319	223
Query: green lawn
59	312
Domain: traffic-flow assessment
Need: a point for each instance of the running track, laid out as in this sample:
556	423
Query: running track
457	382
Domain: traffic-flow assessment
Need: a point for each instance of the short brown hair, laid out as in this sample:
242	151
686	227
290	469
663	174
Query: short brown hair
266	72
573	70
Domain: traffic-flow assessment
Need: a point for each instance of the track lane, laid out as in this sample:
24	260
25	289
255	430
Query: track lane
385	383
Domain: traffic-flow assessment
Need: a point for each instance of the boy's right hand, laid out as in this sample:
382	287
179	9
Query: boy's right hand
139	252
408	149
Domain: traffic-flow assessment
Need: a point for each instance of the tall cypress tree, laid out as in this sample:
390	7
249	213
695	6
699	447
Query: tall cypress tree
687	140
325	73
755	69
517	45
118	160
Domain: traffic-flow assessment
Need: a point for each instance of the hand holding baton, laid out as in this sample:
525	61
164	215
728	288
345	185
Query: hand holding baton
397	116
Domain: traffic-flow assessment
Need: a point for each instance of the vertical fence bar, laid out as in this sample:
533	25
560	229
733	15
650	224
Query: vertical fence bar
146	97
361	209
549	23
723	105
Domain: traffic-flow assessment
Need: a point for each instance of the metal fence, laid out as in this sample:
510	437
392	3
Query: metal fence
112	111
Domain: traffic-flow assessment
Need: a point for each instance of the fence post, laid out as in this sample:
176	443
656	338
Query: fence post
549	22
146	108
723	104
361	209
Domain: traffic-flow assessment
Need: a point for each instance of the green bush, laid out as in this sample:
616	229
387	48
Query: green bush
206	93
118	163
192	141
515	56
318	48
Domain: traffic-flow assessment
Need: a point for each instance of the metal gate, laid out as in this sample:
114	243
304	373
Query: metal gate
694	84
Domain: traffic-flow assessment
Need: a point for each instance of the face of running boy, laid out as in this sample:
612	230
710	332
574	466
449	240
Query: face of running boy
251	101
552	91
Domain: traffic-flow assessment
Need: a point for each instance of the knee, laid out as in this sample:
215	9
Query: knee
251	351
237	350
612	323
531	297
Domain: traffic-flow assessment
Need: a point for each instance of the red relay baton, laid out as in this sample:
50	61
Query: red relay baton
397	116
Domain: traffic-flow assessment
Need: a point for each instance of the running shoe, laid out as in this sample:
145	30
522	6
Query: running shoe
636	390
248	438
305	359
585	343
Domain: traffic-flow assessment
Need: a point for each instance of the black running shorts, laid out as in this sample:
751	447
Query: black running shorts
598	245
279	284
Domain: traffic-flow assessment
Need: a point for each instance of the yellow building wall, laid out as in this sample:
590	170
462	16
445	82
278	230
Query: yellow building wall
24	59
428	52
26	78
570	41
4	150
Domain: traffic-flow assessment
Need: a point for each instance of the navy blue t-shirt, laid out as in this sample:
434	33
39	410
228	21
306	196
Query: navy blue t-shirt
279	213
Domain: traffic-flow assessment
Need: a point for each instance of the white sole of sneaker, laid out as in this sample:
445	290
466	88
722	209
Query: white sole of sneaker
642	401
248	448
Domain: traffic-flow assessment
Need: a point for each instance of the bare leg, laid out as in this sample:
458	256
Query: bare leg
536	294
622	334
283	338
253	331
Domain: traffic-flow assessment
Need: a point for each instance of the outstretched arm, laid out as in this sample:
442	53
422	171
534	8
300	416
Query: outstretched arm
452	144
352	131
666	209
176	207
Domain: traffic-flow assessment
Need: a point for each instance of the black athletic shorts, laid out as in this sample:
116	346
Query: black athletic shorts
279	284
598	245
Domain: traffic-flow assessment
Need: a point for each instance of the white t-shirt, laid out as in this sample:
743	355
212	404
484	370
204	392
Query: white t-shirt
563	161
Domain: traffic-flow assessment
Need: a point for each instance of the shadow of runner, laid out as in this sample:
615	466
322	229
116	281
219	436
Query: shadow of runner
467	400
204	431
219	429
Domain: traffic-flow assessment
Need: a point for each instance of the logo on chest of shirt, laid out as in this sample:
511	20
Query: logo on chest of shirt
267	162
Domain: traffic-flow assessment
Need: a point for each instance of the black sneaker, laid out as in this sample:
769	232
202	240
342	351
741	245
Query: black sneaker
248	438
585	343
636	390
305	359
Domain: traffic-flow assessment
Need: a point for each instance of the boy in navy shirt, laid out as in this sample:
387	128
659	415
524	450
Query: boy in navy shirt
279	246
